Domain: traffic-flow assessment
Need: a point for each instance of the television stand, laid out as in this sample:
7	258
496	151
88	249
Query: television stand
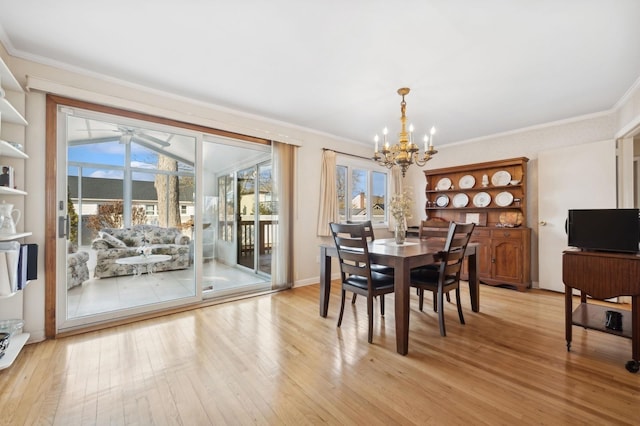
603	275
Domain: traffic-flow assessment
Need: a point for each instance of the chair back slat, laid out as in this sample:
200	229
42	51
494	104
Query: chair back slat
433	228
368	228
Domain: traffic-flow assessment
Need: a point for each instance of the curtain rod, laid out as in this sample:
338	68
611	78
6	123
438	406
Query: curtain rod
346	153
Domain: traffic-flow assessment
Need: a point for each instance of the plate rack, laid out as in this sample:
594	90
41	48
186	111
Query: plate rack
479	192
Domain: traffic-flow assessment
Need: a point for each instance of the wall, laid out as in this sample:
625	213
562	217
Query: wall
526	142
523	143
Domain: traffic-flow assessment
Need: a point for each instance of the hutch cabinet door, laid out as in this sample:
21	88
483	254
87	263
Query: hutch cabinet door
507	260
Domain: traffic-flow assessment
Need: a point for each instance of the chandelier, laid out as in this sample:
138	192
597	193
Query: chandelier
405	152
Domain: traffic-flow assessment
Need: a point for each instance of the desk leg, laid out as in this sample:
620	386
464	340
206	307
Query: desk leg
474	281
325	281
401	294
633	366
568	314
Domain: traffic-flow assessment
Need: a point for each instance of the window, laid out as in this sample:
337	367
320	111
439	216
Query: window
362	191
225	208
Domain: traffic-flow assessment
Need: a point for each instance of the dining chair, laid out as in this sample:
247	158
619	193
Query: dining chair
447	275
355	269
368	231
433	229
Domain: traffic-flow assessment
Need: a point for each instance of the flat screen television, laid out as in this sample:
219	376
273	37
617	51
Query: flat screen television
604	229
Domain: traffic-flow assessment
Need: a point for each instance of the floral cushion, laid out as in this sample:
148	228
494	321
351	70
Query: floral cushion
111	240
77	270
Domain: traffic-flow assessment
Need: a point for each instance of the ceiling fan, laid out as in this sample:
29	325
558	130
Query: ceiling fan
127	135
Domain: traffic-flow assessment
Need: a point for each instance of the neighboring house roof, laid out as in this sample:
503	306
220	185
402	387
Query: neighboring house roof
111	189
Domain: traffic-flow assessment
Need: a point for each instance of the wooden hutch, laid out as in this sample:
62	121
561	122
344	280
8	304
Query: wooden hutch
493	195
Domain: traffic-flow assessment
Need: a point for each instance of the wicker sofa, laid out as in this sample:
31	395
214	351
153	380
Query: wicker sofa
116	243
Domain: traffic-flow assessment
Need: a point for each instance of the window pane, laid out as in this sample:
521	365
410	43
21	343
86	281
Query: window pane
225	209
359	195
143	157
222	225
379	197
230	212
341	181
186	193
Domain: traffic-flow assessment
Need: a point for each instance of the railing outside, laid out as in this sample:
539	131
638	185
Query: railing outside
266	236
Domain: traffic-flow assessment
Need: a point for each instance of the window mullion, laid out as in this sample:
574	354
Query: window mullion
347	194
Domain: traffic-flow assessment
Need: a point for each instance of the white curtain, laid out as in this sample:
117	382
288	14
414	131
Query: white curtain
395	187
282	253
328	194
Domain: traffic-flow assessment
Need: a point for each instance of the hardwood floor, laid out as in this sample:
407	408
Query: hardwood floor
273	360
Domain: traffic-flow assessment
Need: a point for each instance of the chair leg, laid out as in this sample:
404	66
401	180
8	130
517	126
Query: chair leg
344	295
441	311
370	310
435	302
459	306
353	299
420	299
382	304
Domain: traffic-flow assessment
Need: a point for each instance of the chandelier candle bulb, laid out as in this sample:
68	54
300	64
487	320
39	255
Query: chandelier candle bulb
411	133
433	132
426	143
375	139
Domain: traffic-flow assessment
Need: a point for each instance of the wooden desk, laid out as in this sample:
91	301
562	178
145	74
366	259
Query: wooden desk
602	275
402	258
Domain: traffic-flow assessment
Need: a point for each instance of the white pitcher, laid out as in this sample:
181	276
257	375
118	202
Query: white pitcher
10	218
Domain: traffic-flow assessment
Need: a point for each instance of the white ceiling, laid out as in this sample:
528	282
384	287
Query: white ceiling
475	68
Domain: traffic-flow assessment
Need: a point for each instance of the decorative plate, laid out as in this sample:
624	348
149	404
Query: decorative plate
442	200
481	199
501	178
504	199
467	181
460	200
445	183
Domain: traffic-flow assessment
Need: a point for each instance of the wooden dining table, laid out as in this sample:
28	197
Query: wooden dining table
402	258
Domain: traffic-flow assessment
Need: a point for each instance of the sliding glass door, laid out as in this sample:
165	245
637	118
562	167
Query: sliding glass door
237	187
128	244
145	210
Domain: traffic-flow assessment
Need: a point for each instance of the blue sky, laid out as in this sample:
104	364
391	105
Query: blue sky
379	184
111	154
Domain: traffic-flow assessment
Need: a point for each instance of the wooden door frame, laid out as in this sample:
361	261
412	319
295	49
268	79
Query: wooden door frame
51	199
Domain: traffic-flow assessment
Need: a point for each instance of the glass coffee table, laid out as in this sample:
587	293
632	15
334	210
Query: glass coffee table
149	262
